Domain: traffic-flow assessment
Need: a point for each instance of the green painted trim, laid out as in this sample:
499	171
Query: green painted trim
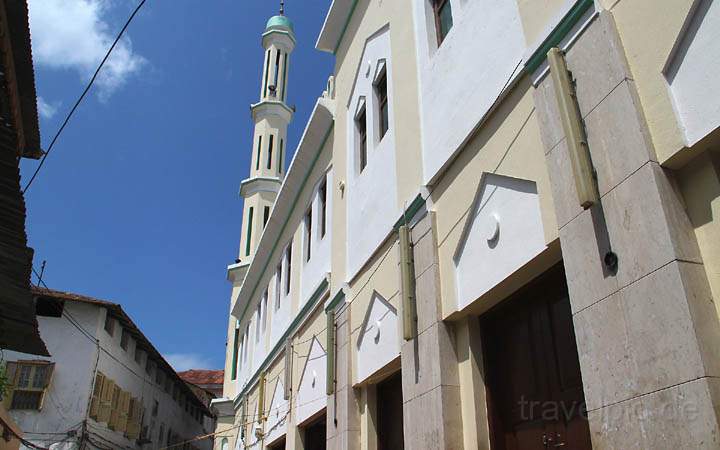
345	27
236	348
340	296
309	306
287	219
557	35
410	212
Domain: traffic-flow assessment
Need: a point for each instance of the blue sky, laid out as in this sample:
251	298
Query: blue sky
138	202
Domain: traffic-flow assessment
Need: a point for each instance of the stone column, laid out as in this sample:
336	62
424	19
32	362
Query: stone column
343	413
647	332
431	388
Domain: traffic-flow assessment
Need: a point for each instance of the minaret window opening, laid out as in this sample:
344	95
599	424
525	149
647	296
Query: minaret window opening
259	148
270	151
249	232
266	215
280	156
267	74
288	267
236	345
361	127
382	99
442	11
278	285
322	200
277	71
308	233
285	70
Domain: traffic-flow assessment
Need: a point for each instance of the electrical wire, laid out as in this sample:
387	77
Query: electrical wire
82	96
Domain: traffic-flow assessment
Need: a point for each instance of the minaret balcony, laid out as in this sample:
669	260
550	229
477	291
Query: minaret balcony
271	107
251	186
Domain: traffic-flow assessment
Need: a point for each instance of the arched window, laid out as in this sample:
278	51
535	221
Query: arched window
224	444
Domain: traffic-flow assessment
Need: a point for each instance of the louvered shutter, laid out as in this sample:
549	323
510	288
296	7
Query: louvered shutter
115	405
135	421
123	411
97	395
105	410
10	373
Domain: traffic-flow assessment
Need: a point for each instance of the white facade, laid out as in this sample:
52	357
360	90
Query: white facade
67	401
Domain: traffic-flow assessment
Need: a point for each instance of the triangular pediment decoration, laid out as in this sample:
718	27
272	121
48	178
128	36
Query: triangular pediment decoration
503	230
311	396
378	343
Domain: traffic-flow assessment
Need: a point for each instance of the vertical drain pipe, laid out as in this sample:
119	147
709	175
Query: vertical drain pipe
407	276
330	335
288	369
584	174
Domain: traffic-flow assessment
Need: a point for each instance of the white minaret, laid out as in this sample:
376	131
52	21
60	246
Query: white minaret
269	147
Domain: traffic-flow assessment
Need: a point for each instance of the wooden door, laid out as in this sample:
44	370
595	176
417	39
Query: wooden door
535	393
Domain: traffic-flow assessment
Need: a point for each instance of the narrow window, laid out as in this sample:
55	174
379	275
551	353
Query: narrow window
267	70
266	215
257	325
382	97
361	126
285	70
236	346
259	149
277	71
308	233
249	232
278	285
124	339
138	354
109	323
288	267
322	199
270	150
443	18
265	310
280	157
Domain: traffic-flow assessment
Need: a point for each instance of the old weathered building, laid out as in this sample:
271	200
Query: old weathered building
499	230
105	385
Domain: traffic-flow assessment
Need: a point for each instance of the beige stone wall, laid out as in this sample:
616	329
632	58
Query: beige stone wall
647	49
509	144
699	183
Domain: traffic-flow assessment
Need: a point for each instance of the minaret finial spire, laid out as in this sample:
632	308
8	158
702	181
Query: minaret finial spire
282	7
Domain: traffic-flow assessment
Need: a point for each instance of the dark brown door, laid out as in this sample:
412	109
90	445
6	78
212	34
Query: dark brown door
532	370
314	435
390	413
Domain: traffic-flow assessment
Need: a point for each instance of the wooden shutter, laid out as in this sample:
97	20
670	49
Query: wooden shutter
10	373
135	420
124	409
96	395
108	387
115	407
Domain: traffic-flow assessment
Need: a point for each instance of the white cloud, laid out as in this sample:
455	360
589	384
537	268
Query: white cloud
47	110
72	34
187	361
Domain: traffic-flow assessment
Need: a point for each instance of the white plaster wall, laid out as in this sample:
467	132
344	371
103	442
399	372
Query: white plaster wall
315	270
278	413
511	207
311	396
66	400
460	80
378	343
694	73
372	195
259	351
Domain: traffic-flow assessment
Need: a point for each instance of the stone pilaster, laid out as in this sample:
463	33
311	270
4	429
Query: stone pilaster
343	413
647	332
431	388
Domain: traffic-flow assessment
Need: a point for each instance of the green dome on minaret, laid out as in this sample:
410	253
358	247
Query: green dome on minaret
279	22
